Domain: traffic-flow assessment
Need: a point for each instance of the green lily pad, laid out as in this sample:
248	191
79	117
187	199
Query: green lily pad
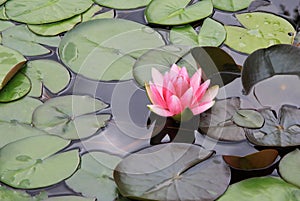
231	5
261	189
3	13
5	25
95	176
9	195
27	43
2	1
48	73
18	87
174	171
265	63
20	110
248	119
261	31
13	131
283	131
69	198
211	33
123	4
289	167
32	163
93	13
217	122
217	65
45	11
162	59
70	117
176	12
11	62
115	44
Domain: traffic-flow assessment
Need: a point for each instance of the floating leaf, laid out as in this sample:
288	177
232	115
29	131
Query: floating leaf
265	63
71	117
261	31
261	189
3	13
95	176
30	163
281	132
106	49
174	171
23	40
9	195
18	87
123	4
217	122
289	167
217	65
212	33
231	5
20	110
162	59
5	25
69	198
48	73
176	12
11	62
13	131
91	14
248	119
44	11
2	1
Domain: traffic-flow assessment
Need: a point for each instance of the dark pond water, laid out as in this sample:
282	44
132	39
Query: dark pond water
128	132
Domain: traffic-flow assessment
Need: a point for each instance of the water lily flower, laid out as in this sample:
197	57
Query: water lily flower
175	93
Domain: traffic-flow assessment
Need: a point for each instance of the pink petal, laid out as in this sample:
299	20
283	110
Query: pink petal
160	111
196	79
174	105
200	91
202	108
181	86
173	73
186	99
168	91
183	72
157	78
156	97
210	94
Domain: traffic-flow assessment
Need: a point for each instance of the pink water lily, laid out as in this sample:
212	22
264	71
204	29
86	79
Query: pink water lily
175	92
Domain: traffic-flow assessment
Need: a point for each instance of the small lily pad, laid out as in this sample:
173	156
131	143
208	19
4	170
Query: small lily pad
277	132
217	122
114	43
174	171
70	117
45	11
32	163
20	110
261	189
46	73
261	31
211	33
9	195
231	5
13	131
248	119
176	12
95	176
23	40
11	62
18	87
289	167
123	4
70	198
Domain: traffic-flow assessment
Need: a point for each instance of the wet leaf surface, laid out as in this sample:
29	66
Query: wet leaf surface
9	195
261	189
70	117
95	176
44	11
175	171
248	119
46	73
24	163
289	167
113	43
